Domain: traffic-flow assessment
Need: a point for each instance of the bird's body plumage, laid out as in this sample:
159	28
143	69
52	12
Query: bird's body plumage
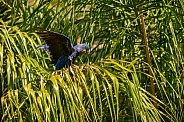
60	49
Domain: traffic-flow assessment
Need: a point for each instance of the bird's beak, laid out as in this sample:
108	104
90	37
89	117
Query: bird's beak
84	50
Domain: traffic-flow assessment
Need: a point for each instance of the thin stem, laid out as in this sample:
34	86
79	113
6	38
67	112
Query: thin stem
145	40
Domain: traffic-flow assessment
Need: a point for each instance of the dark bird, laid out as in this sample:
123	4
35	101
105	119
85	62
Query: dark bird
60	49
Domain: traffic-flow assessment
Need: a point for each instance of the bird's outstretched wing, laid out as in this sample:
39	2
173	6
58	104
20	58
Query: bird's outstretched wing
58	44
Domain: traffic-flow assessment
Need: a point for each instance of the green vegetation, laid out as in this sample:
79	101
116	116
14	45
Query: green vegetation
134	72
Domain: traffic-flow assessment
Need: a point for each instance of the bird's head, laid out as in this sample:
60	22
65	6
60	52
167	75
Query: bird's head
86	48
82	48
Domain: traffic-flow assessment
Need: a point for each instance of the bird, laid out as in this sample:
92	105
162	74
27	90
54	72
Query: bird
60	49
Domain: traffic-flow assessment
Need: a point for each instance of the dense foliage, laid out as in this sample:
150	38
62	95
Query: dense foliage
134	71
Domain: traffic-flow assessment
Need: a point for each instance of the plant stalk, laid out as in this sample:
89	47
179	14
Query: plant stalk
145	40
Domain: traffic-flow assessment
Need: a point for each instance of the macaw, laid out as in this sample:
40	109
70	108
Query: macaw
60	49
